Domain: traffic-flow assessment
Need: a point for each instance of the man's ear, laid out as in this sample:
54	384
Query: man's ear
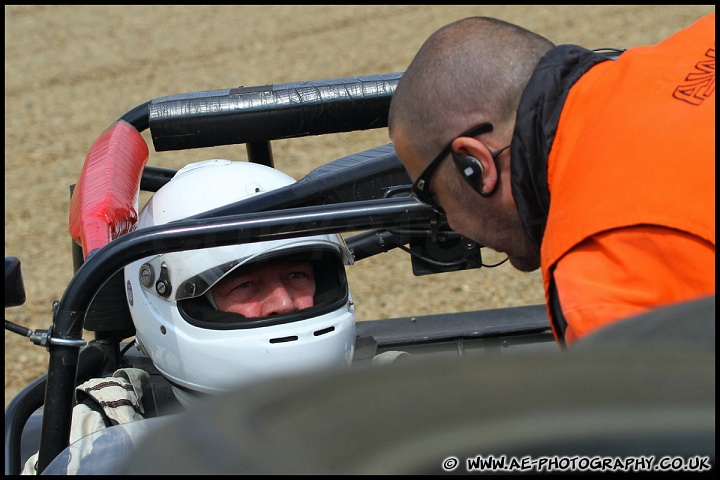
475	163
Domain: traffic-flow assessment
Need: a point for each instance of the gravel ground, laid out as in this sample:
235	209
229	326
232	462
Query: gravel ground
70	71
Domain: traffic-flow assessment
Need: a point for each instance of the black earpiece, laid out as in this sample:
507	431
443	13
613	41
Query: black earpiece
472	171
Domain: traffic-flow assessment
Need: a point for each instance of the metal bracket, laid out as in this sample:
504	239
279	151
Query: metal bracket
44	338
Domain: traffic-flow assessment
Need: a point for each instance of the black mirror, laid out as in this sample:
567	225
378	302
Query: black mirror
14	286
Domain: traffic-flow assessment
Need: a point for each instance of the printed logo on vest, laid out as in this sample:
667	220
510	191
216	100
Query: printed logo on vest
699	84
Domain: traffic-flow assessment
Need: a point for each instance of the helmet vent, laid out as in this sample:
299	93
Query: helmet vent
291	338
324	331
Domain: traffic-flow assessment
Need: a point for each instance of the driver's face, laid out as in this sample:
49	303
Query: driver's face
272	289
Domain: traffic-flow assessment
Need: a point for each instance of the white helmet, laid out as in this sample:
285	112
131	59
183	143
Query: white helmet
200	349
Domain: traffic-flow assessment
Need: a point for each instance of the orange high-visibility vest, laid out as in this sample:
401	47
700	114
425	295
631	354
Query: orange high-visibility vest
631	172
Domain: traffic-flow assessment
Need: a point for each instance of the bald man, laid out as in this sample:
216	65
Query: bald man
599	172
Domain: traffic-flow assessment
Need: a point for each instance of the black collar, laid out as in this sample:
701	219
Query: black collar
535	128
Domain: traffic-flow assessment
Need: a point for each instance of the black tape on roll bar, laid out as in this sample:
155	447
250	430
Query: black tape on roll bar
270	112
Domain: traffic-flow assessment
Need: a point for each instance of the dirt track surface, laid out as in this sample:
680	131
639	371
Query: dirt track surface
70	71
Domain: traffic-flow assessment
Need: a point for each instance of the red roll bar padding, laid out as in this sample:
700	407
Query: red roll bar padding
104	202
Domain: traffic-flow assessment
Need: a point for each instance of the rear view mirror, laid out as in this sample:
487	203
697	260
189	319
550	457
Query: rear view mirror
14	286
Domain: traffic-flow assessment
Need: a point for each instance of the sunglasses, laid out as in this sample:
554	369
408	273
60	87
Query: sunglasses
421	187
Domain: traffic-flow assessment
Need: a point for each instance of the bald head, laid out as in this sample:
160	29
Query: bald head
470	71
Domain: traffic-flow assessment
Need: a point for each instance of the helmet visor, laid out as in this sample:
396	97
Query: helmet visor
191	273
